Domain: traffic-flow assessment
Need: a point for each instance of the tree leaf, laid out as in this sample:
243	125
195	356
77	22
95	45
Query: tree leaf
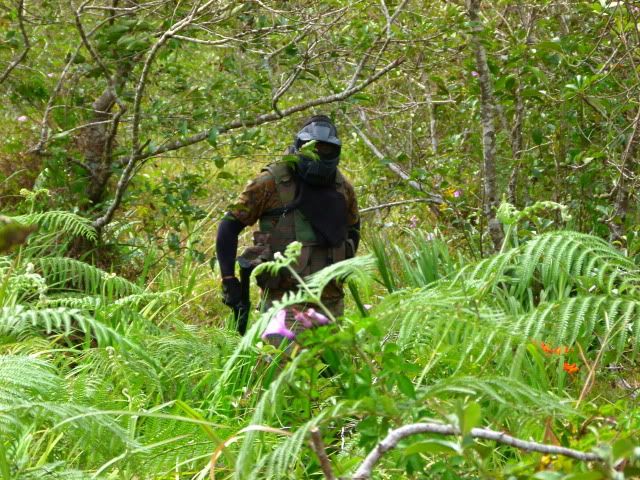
471	417
213	137
584	476
406	386
622	448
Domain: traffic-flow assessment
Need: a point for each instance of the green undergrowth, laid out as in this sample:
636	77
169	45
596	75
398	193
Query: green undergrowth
114	378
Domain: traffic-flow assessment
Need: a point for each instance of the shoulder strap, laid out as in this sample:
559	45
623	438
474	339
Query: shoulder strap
280	171
285	185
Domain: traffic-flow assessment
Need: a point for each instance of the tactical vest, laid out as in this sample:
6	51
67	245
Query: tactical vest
279	227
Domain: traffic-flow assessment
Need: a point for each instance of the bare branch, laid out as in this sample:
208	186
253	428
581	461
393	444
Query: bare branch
394	167
88	46
82	165
367	55
394	204
392	18
433	127
272	116
80	127
138	155
137	8
306	58
317	445
27	45
136	149
237	38
390	442
44	125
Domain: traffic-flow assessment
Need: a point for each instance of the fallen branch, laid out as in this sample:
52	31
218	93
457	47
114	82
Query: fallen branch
390	442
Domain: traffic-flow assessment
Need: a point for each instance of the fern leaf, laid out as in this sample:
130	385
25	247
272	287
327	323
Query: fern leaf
61	221
68	273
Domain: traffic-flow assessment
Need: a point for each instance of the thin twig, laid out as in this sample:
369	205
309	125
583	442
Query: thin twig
394	167
136	149
27	45
394	204
317	445
588	383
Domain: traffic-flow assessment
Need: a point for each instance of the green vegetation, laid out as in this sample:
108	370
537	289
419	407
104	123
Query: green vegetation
493	148
106	378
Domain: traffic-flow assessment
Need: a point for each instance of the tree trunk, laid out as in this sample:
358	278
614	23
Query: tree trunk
621	190
96	140
517	145
487	108
93	144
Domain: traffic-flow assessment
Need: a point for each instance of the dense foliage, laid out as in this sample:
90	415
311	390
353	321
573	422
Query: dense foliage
494	152
93	360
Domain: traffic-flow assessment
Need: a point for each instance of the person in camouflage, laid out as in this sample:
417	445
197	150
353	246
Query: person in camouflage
309	201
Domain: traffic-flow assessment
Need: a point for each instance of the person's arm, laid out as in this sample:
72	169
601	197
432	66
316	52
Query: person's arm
227	245
246	211
226	250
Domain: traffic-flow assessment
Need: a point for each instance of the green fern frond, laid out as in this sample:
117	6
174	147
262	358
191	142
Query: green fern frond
61	221
17	320
550	258
358	269
279	463
77	302
566	321
68	273
502	390
264	410
57	470
86	302
24	378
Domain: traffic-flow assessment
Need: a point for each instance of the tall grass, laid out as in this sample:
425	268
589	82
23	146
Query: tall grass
103	377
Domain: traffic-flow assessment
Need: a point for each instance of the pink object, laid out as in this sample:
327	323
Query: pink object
457	193
308	318
277	326
22	118
302	318
319	318
475	74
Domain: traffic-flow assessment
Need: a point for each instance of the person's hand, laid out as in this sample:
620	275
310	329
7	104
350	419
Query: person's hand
231	292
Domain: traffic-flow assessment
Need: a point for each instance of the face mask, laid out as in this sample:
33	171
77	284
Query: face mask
322	170
317	172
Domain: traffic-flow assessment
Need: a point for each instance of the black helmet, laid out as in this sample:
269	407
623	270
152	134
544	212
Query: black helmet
320	171
318	128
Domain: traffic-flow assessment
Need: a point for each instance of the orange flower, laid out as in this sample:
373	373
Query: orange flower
570	368
546	348
554	351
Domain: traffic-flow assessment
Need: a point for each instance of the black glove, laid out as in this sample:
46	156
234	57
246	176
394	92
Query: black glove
231	292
